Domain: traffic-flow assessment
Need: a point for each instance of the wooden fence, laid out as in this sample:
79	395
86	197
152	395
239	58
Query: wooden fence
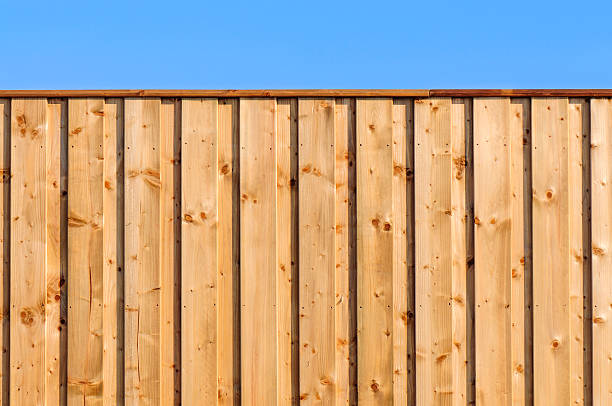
273	249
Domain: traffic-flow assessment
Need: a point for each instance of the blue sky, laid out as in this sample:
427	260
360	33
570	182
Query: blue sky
305	44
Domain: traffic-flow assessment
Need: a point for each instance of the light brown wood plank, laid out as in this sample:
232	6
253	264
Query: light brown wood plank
345	277
578	126
170	128
440	279
499	280
228	276
142	251
5	221
85	245
461	113
286	251
375	225
258	242
401	115
199	251
113	137
557	196
53	351
601	231
317	250
28	250
520	113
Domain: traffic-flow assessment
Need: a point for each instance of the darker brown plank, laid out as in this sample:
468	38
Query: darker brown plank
520	93
218	93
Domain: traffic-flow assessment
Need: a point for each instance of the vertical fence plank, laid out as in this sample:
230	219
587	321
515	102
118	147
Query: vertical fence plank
499	282
317	250
432	250
286	251
401	369
403	121
550	251
258	242
228	344
577	128
168	134
28	243
375	224
460	114
345	282
601	203
170	254
199	251
142	251
557	197
113	119
587	288
528	247
5	219
469	219
53	352
85	244
519	118
440	270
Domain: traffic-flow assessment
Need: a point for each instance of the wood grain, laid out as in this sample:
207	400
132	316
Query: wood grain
557	195
228	275
53	326
170	311
375	224
142	251
199	251
440	266
85	243
5	223
499	281
28	250
258	242
345	276
112	241
319	248
601	203
401	282
403	178
317	196
287	229
461	115
578	125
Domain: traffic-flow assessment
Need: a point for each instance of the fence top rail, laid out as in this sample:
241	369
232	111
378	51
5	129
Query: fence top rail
310	93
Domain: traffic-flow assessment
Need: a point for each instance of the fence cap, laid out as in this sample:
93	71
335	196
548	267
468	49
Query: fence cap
311	93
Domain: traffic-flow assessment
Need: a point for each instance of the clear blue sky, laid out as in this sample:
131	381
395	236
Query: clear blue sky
305	44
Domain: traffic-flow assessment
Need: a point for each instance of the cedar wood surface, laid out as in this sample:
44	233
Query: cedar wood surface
276	247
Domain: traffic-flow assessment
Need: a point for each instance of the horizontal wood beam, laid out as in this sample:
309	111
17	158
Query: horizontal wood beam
311	93
219	93
520	93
